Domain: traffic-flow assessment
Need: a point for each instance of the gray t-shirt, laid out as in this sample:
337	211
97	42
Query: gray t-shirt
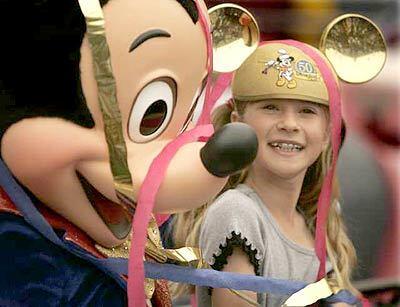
240	212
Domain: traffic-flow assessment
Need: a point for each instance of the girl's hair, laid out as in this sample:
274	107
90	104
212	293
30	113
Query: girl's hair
341	251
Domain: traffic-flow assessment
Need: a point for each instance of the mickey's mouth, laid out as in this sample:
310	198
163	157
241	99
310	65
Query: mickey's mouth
112	214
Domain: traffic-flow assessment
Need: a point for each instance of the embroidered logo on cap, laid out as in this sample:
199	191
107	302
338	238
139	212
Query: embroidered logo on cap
288	70
283	64
305	70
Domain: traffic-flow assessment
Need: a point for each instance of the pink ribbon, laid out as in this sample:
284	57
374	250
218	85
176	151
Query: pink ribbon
324	199
161	218
365	302
222	82
146	199
220	85
205	114
193	300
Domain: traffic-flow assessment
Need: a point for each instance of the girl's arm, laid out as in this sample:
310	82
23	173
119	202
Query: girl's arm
238	262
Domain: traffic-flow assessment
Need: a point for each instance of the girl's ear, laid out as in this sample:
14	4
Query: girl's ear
235	116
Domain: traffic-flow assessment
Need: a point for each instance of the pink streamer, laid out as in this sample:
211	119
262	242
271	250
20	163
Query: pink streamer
206	113
193	300
365	302
161	218
222	82
146	199
324	200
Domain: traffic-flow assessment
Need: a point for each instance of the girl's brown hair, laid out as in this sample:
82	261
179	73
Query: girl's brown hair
340	250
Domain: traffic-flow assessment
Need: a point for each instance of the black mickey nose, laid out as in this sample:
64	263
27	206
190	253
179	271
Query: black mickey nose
230	149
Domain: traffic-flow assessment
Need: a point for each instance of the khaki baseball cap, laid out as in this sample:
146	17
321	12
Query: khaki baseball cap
280	71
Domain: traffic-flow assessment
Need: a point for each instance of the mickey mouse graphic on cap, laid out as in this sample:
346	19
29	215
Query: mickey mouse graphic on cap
283	64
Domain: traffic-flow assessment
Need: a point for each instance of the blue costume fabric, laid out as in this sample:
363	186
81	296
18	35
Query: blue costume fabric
36	272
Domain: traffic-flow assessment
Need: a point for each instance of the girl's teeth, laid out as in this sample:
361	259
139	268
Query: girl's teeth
286	147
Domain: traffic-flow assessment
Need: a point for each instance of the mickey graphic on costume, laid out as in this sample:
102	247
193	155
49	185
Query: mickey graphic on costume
53	140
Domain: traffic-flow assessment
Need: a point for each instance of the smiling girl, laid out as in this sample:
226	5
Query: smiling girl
264	221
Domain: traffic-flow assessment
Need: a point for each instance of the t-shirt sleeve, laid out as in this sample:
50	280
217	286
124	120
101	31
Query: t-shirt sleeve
233	220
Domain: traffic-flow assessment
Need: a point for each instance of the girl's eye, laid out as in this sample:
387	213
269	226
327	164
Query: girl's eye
308	111
270	107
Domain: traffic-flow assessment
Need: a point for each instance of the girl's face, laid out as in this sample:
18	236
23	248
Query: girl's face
291	134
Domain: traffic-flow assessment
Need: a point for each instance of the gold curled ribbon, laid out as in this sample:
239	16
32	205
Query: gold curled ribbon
311	293
183	256
304	297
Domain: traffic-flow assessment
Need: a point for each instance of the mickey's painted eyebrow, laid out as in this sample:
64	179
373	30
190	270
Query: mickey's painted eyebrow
146	36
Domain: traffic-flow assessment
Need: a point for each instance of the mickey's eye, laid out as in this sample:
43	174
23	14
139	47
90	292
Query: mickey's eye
152	110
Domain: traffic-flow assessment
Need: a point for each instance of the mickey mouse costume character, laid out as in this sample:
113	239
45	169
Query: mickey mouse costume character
55	142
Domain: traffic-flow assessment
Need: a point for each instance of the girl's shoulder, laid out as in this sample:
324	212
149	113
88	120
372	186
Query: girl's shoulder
238	200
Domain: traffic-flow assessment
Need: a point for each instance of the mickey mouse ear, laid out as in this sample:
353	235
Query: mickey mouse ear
235	35
355	47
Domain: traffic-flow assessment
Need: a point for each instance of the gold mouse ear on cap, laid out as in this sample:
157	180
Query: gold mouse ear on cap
235	35
355	46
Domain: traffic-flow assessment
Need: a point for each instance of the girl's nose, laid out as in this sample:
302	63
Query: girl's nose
288	122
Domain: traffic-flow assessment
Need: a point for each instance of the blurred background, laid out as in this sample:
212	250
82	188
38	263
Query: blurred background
369	165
